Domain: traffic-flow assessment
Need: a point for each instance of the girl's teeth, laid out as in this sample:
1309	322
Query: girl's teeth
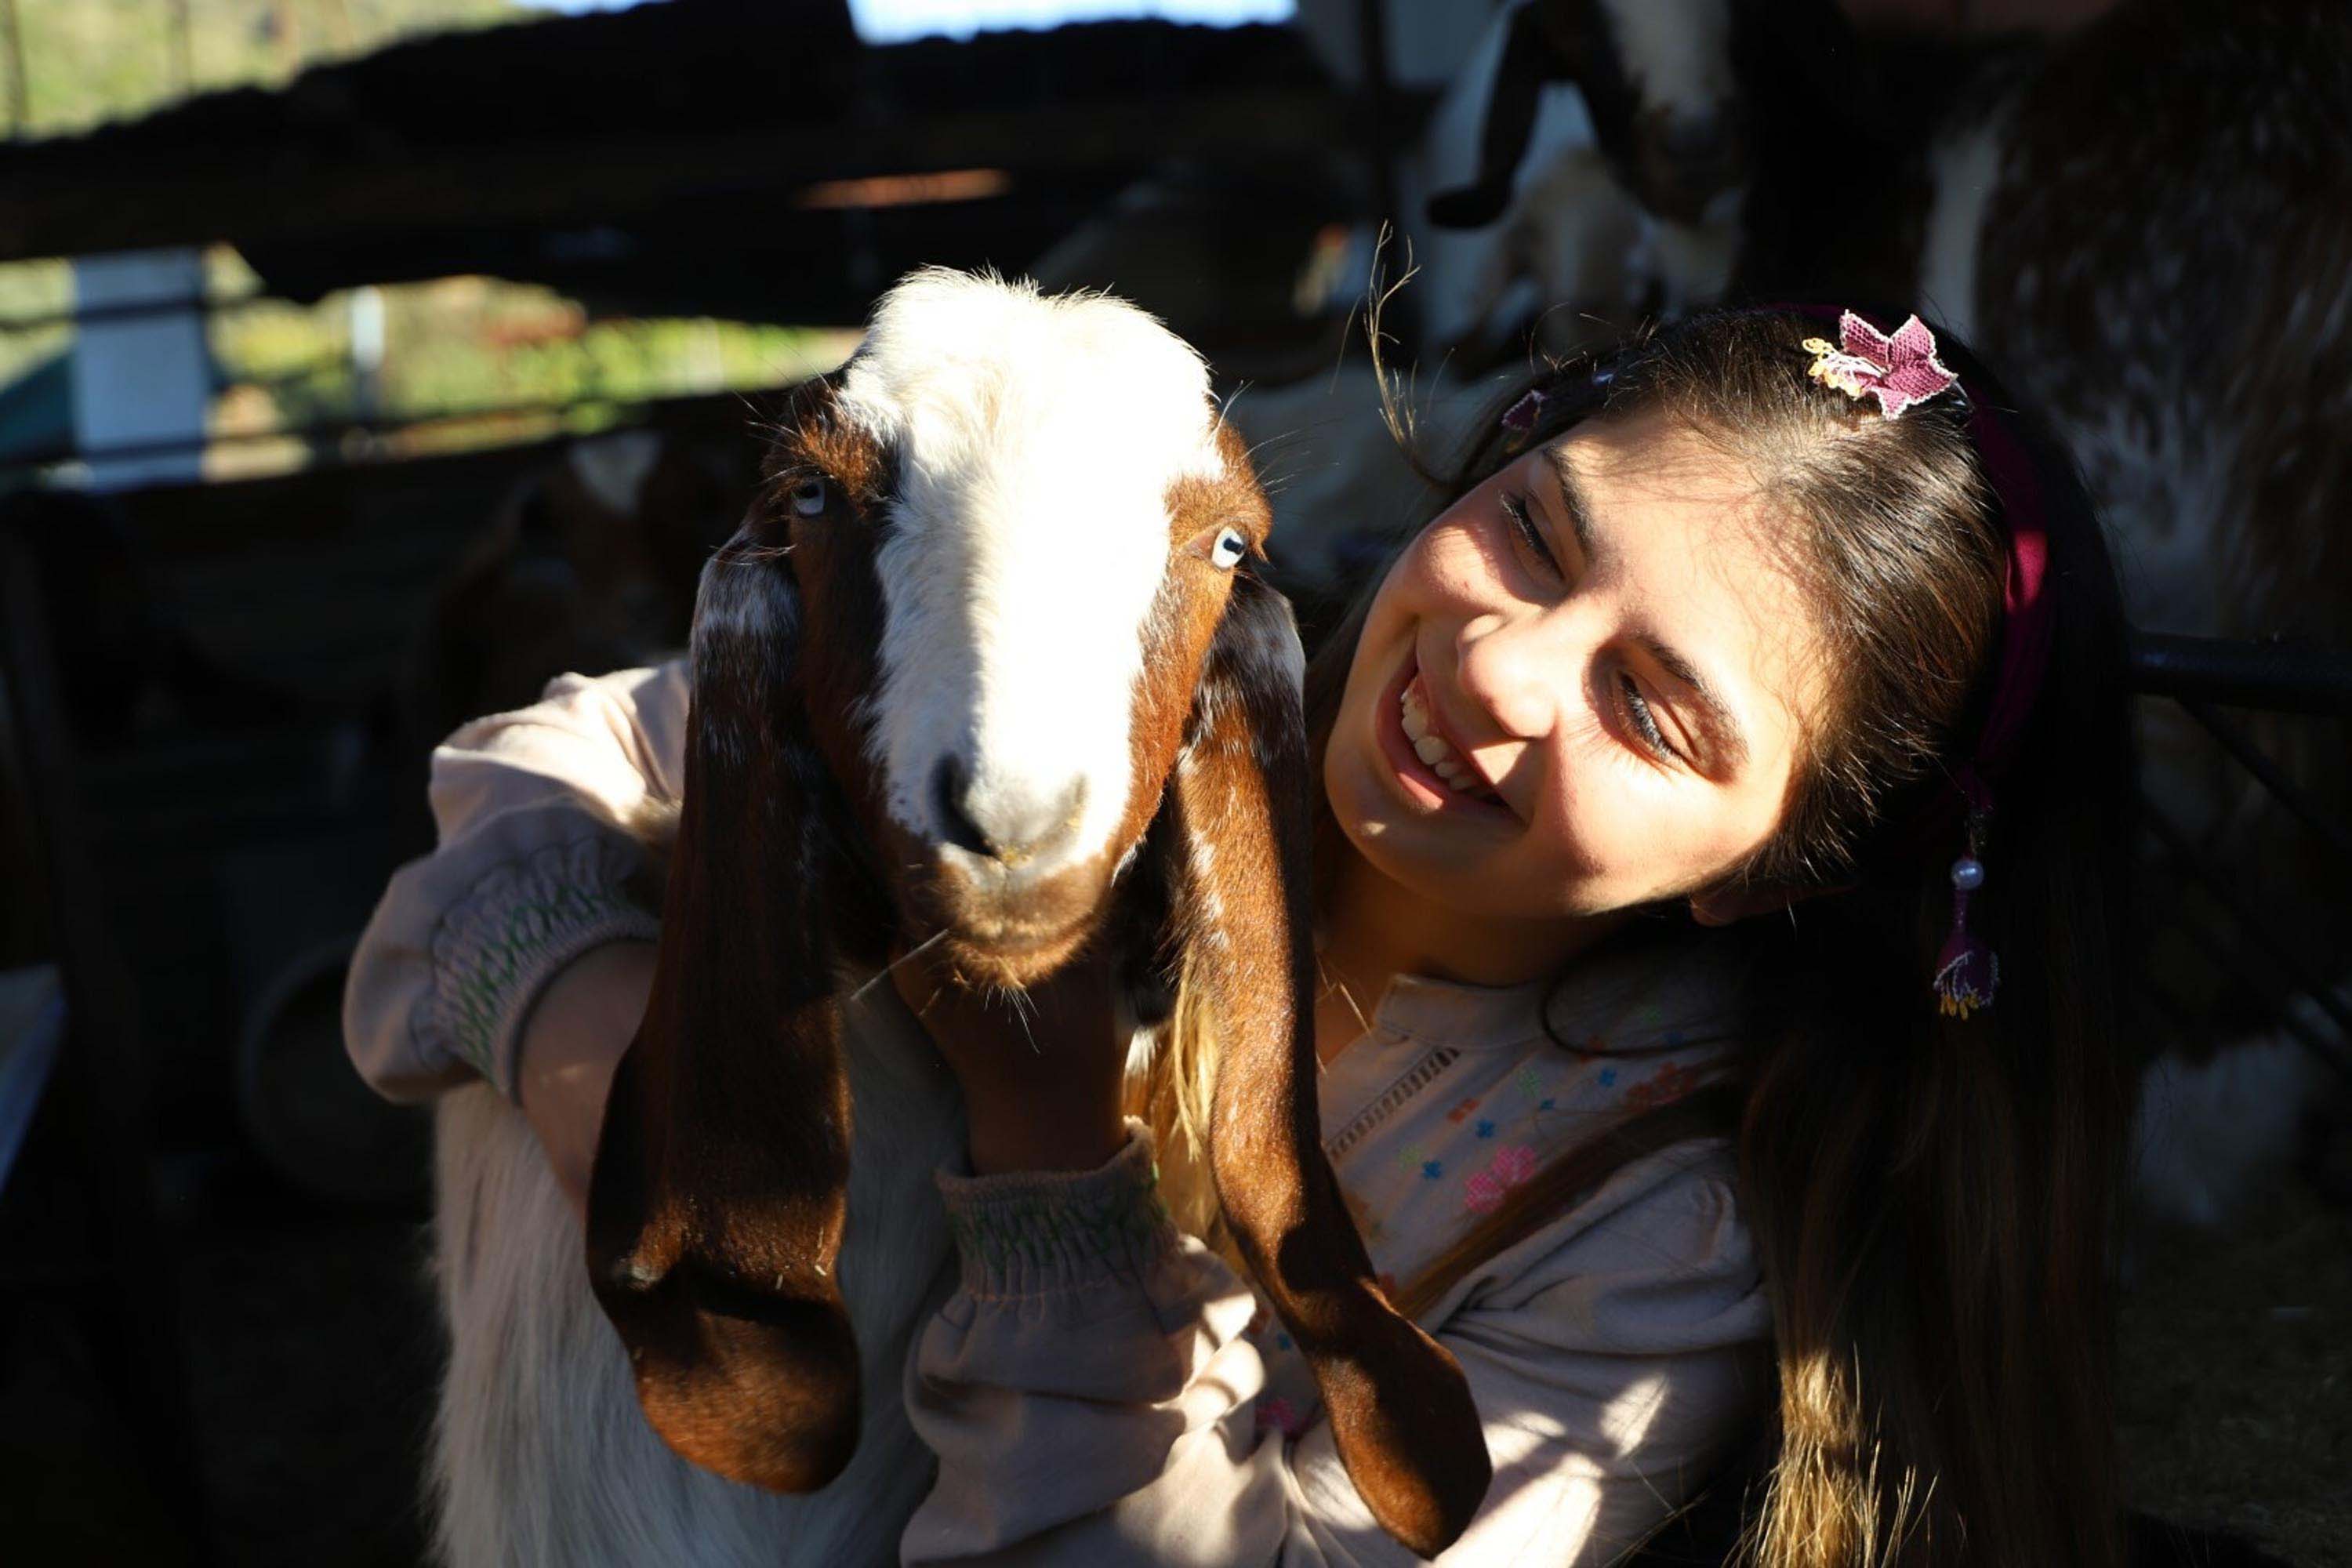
1431	749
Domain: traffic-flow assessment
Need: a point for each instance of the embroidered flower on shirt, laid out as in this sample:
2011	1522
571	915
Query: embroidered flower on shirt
1462	1111
1486	1128
1510	1167
1669	1082
1432	1169
1607	1076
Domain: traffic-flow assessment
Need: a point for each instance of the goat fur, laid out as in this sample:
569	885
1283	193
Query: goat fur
724	1234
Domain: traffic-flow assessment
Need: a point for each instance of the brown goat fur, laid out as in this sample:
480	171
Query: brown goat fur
717	1206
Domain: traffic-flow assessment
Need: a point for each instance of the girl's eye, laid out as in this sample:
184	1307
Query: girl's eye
1515	507
808	498
1644	721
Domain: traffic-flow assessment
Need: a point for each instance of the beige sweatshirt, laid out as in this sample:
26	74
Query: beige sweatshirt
1101	1389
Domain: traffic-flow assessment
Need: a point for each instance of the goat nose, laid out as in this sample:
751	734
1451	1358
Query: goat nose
1008	825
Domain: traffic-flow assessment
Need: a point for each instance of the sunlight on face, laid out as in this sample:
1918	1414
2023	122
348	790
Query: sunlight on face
1612	663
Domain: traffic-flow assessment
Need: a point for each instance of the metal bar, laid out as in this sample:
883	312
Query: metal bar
131	310
335	432
101	1077
2252	757
2328	1051
2278	676
12	45
2289	964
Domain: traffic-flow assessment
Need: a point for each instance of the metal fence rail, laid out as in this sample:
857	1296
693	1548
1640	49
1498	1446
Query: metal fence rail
2279	676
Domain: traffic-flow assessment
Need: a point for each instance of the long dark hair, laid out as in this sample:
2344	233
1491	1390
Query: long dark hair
1932	1198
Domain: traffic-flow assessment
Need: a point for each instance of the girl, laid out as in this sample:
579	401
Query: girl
1720	867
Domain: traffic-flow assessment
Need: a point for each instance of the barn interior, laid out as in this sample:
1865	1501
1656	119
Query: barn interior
366	363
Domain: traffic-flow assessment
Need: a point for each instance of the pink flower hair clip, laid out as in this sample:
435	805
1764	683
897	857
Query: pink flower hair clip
1899	371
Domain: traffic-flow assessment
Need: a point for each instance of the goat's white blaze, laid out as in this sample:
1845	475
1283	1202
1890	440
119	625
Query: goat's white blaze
1677	53
1036	439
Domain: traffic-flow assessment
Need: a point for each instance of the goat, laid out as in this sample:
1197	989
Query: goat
2147	224
982	670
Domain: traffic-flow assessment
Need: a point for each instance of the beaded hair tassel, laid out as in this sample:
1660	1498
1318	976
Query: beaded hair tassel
1968	972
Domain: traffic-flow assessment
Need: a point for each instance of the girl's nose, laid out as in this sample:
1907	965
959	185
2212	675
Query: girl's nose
1513	668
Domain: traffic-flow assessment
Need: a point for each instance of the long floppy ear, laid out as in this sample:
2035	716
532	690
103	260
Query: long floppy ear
1399	1405
716	1208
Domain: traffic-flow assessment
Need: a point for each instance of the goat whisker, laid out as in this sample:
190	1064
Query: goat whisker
885	971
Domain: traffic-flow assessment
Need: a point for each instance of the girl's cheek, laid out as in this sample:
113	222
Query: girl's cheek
1446	566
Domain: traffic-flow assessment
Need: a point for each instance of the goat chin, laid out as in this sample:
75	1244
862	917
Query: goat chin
539	1457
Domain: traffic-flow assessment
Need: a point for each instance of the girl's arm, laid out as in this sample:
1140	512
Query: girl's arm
1093	1390
526	897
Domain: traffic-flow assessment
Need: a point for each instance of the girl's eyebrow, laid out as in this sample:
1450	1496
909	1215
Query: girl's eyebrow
1715	712
1571	498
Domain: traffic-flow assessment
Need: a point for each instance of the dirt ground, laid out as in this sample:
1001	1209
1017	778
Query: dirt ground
2235	1355
314	1355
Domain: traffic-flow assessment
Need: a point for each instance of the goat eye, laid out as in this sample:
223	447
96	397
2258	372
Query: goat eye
808	497
1228	549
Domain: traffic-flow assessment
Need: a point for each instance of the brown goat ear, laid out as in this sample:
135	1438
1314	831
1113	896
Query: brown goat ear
1399	1406
716	1207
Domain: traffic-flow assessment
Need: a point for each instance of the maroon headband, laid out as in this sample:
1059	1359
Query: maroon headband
1900	369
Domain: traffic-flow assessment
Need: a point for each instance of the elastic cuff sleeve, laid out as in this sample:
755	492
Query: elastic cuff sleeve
1037	1233
522	922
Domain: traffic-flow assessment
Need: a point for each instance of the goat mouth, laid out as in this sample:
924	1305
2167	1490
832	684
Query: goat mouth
1016	960
1007	936
1432	777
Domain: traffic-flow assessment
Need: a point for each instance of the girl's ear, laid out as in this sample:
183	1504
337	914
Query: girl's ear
715	1207
1400	1408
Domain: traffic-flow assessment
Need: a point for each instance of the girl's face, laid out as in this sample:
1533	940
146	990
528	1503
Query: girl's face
1579	689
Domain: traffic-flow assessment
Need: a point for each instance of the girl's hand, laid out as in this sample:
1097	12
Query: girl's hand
573	1041
1040	1072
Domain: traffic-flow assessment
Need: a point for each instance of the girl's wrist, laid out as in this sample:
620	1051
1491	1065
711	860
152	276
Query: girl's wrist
1077	1130
573	1041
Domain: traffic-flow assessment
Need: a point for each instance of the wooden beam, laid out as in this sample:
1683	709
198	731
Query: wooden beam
195	198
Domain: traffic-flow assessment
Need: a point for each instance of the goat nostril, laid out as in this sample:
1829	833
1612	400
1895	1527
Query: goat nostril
949	787
1012	828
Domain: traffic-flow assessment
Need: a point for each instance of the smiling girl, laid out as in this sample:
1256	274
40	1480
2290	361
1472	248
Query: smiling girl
1719	875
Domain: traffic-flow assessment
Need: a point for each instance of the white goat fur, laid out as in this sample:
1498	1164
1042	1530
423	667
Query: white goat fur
1032	510
1037	441
540	1457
